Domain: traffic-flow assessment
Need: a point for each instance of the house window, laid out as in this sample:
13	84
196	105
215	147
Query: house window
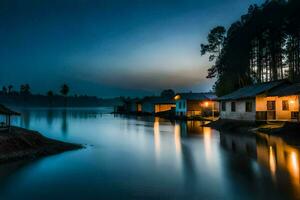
271	105
285	105
248	106
233	107
295	115
180	104
223	104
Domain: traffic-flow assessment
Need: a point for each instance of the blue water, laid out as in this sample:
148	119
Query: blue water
149	158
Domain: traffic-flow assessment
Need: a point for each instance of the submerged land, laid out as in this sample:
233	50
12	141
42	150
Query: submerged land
23	144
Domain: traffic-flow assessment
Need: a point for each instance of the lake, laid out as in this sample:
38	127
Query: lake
149	158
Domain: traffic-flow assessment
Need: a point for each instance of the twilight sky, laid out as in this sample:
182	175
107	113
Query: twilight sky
110	47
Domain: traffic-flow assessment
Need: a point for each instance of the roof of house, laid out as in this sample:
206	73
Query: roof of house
288	90
135	100
6	111
252	90
197	96
158	100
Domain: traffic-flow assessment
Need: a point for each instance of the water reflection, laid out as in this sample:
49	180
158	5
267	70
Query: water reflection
25	120
56	115
50	117
283	158
182	160
274	153
177	138
207	143
156	136
64	122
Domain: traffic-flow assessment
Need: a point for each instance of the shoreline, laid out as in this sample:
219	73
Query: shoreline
164	115
288	131
24	144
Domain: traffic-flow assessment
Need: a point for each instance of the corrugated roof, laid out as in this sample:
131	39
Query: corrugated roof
252	90
197	96
293	89
6	111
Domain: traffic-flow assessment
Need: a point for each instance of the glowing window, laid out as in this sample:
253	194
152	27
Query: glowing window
285	105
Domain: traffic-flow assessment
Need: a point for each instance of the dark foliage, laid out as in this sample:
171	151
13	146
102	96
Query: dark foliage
264	45
24	97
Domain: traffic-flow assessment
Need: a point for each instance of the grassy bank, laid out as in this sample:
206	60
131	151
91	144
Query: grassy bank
20	144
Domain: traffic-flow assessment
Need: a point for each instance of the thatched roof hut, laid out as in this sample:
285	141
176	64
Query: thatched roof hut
8	113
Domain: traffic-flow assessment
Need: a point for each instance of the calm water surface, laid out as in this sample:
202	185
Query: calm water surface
149	158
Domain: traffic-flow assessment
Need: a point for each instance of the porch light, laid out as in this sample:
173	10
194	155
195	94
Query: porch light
292	102
206	104
177	97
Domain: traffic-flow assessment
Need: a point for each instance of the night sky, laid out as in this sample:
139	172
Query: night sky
110	48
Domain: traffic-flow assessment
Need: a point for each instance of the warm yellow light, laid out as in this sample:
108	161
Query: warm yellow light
207	136
156	136
177	138
272	160
177	97
206	104
295	162
292	102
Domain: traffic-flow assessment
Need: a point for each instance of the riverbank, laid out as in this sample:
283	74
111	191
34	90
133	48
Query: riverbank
233	125
286	130
22	144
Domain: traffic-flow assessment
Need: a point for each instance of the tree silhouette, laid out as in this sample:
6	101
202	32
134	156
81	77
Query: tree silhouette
169	93
4	90
64	90
25	89
214	47
263	45
10	87
50	95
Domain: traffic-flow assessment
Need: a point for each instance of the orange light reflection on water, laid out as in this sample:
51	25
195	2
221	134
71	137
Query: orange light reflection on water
156	135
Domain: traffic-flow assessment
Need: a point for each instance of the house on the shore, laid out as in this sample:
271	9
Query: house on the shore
135	105
196	104
281	104
153	105
272	101
129	106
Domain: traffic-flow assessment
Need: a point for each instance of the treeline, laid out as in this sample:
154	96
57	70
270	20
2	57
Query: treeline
24	97
264	45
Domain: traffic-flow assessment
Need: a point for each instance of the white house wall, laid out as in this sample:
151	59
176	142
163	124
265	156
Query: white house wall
240	113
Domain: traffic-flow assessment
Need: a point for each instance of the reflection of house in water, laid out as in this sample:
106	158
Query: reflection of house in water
272	153
239	143
191	127
281	158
